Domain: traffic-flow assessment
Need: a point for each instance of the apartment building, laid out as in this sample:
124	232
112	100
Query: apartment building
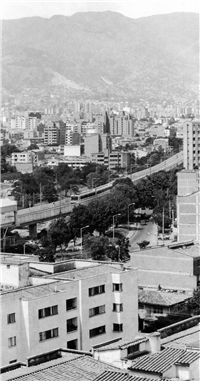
191	144
80	305
114	160
18	122
51	135
121	126
188	205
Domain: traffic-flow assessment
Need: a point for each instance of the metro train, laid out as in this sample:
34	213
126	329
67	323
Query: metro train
93	192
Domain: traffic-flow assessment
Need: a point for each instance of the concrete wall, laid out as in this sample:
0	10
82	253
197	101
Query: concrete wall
14	275
188	217
175	280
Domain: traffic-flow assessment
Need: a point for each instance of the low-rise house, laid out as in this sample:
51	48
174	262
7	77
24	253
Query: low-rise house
153	303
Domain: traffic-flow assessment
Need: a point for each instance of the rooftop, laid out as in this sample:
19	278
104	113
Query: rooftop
164	251
34	292
184	339
120	344
162	361
70	368
116	376
87	272
161	298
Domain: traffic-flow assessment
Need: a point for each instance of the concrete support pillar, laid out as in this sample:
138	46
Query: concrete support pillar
33	231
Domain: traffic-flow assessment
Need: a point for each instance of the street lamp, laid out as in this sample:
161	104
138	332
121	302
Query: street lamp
84	227
24	245
133	203
119	214
94	180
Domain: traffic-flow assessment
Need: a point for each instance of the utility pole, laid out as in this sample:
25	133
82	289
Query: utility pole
40	193
163	222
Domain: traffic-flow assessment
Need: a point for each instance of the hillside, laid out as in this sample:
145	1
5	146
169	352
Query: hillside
103	51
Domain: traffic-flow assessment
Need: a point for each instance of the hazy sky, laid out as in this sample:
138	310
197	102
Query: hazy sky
134	9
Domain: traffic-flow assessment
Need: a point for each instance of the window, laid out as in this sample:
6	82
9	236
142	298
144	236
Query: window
71	304
158	310
117	307
97	311
117	287
12	341
8	266
12	361
48	311
97	331
97	290
48	334
11	318
132	349
72	325
72	344
117	327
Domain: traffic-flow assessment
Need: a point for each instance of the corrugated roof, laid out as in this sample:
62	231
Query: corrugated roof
189	357
158	362
161	298
162	361
82	368
116	376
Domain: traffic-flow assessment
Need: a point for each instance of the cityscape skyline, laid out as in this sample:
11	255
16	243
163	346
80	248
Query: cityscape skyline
131	9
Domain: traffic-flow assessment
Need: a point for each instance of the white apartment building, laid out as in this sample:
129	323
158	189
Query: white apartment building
191	144
83	303
21	157
18	122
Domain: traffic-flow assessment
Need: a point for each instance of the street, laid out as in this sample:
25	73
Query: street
146	232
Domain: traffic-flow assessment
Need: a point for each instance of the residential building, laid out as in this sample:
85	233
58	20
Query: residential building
114	160
191	144
51	135
81	304
188	205
173	267
152	357
154	303
18	122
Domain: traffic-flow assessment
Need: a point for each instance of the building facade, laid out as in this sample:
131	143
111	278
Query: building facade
191	144
79	308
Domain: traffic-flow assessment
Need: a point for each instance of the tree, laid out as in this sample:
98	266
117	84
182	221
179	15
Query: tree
46	254
143	244
99	215
97	247
32	147
59	232
49	192
79	218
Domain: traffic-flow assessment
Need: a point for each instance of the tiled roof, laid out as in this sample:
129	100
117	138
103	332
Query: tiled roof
162	361
116	376
121	344
83	368
158	362
161	298
189	357
86	272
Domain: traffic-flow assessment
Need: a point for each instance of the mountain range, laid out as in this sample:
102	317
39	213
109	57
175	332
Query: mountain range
103	52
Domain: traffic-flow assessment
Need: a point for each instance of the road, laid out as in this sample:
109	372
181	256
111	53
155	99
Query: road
144	232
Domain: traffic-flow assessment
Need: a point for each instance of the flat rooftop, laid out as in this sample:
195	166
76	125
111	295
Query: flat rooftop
34	292
182	253
87	272
189	338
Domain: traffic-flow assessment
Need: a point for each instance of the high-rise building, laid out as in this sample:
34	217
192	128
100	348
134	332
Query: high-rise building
191	144
51	135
